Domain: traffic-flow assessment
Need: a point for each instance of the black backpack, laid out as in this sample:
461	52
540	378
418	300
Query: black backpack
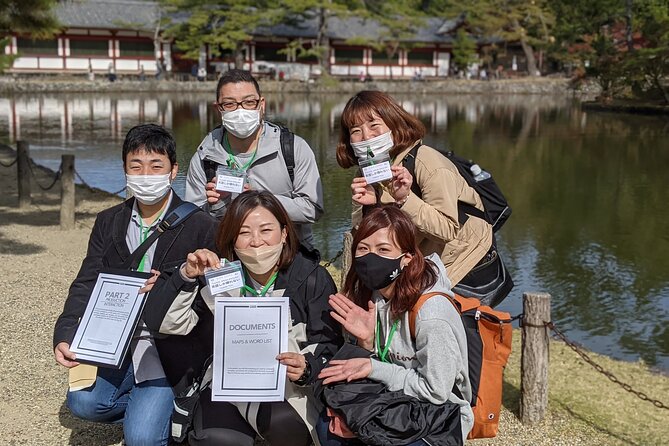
497	209
287	139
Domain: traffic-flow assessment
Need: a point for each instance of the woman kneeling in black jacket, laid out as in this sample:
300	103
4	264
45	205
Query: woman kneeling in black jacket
257	231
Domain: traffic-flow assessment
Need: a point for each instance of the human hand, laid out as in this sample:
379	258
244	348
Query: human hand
64	356
346	370
400	186
295	364
362	192
148	285
357	321
198	261
213	195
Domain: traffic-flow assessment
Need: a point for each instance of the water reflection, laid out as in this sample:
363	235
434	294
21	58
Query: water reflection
588	190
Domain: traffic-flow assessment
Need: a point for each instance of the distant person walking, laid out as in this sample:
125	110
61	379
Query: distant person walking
111	73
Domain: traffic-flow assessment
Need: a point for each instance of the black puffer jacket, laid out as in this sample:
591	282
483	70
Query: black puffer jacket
380	417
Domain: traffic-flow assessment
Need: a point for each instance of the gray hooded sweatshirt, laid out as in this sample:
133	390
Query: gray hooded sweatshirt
428	367
302	199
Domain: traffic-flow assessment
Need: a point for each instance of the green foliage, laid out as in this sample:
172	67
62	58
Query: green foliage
399	21
222	24
464	50
298	11
25	16
28	16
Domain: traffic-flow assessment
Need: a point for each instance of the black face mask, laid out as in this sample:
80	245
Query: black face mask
376	272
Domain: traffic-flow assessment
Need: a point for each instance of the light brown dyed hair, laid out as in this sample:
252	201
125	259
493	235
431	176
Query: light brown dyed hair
415	278
406	128
240	208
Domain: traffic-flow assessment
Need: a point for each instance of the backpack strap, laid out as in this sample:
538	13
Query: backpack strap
413	313
179	215
287	139
210	168
464	209
409	162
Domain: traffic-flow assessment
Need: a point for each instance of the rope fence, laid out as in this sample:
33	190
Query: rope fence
53	182
85	183
10	164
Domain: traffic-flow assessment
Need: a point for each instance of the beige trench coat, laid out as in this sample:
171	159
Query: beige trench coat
436	213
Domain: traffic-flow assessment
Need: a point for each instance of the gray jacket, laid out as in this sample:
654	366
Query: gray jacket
302	199
428	367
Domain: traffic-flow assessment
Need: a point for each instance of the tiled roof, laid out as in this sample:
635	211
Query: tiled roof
142	15
108	14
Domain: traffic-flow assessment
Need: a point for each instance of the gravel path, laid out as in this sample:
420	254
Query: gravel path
39	261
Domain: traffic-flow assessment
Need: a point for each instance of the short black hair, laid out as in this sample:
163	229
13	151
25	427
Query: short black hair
236	76
151	138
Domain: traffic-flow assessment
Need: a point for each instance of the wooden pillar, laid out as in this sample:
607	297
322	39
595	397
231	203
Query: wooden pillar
534	357
346	257
67	202
23	173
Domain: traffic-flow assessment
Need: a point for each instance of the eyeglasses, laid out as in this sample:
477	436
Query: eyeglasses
228	106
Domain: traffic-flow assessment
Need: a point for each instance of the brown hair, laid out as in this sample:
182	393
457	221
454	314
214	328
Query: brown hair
406	128
239	209
415	278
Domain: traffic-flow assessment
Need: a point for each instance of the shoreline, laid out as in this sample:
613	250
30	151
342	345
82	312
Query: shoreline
40	261
520	86
626	106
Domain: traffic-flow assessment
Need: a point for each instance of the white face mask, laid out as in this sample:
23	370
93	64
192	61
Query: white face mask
241	122
149	189
378	145
260	260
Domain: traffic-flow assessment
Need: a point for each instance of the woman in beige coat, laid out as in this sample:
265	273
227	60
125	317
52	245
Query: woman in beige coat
373	125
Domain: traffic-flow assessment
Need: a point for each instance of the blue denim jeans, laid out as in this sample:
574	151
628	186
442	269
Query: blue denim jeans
327	438
144	409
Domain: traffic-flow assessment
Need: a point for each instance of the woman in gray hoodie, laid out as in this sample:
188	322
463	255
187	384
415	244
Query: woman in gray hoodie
388	276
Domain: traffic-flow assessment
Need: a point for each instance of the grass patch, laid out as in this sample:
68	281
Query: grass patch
585	407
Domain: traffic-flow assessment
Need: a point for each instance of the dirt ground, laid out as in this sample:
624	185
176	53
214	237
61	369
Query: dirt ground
39	261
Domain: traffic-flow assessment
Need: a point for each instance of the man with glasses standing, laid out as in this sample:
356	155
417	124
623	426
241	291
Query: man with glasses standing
247	143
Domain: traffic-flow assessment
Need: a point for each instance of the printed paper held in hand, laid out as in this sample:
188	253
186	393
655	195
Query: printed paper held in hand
249	332
105	330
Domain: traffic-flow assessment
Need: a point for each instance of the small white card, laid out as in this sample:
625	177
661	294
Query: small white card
230	180
376	169
228	277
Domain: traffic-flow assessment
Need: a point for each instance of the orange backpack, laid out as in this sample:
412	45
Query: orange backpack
488	348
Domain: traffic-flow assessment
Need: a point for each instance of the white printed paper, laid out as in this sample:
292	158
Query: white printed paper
113	310
249	332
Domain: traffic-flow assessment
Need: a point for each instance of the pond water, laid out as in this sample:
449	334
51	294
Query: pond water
588	190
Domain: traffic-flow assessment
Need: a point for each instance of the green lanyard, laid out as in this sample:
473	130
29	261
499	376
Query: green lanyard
143	234
264	289
232	163
383	353
370	155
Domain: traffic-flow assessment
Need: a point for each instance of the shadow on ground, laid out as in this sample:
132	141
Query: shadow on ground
511	398
37	217
9	246
595	426
89	433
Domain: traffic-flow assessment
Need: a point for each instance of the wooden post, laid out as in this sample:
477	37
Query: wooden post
23	173
346	257
67	192
534	357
